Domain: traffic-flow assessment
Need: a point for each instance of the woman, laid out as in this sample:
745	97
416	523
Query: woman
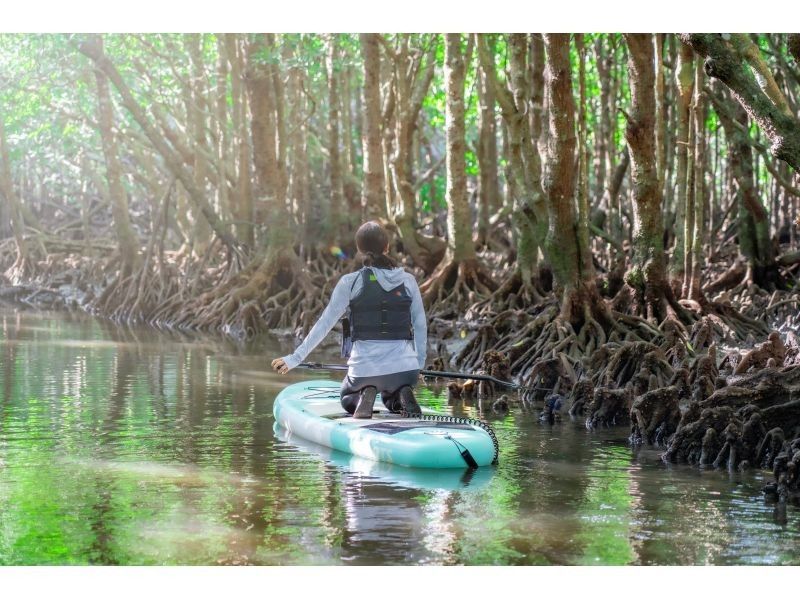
388	330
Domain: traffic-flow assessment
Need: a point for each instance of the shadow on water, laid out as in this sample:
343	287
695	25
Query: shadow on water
130	446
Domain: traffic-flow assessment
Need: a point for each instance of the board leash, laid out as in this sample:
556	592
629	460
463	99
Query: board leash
453	419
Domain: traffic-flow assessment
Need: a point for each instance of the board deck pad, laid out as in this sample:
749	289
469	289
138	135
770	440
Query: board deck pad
312	411
397	427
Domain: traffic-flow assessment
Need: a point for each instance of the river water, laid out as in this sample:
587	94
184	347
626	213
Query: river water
132	446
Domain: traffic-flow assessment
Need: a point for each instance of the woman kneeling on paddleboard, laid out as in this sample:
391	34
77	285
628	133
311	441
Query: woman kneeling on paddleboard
388	330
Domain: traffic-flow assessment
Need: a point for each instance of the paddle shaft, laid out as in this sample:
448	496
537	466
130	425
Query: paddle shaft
430	373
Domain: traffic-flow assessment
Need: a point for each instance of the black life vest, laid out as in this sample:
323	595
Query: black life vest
376	314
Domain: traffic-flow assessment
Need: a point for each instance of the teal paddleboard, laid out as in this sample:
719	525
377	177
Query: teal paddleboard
378	472
311	410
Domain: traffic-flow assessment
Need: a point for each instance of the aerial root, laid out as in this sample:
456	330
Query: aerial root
455	285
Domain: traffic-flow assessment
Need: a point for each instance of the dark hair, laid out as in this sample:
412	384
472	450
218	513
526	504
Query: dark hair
371	241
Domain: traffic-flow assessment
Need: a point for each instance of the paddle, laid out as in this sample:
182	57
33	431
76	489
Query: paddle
432	374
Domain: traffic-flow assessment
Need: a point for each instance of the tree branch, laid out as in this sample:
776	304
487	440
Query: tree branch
723	62
171	157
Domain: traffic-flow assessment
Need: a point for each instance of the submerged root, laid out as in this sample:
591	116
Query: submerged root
609	407
656	414
754	421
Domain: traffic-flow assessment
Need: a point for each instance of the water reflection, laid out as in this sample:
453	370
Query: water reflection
136	447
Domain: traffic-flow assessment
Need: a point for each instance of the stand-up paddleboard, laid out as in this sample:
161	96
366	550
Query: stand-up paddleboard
312	410
379	472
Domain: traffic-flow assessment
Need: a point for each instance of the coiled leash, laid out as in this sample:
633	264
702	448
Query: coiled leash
451	419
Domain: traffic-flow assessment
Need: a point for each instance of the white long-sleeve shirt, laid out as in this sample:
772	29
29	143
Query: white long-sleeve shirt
371	358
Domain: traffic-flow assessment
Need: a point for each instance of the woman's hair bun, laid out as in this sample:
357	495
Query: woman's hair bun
372	240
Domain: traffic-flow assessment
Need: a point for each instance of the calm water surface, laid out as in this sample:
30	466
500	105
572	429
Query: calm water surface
139	447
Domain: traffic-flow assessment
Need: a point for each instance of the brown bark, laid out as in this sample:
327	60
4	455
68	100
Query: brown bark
603	131
243	203
753	235
221	127
336	216
351	191
13	204
685	83
524	163
388	108
412	76
563	245
648	272
459	242
265	100
372	198
459	272
691	188
197	128
128	244
300	193
661	121
488	189
695	291
583	158
349	156
670	121
281	134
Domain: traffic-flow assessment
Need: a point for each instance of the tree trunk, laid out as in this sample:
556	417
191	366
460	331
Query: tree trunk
126	236
459	224
410	87
13	206
244	212
647	275
523	131
753	233
197	127
350	188
296	183
583	158
489	192
261	59
574	280
603	126
691	188
661	121
372	198
221	127
700	199
685	83
670	123
459	273
336	216
388	119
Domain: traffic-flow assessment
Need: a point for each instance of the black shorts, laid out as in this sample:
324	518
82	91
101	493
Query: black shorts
386	384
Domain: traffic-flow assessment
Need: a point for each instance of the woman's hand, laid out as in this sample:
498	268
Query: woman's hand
279	365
